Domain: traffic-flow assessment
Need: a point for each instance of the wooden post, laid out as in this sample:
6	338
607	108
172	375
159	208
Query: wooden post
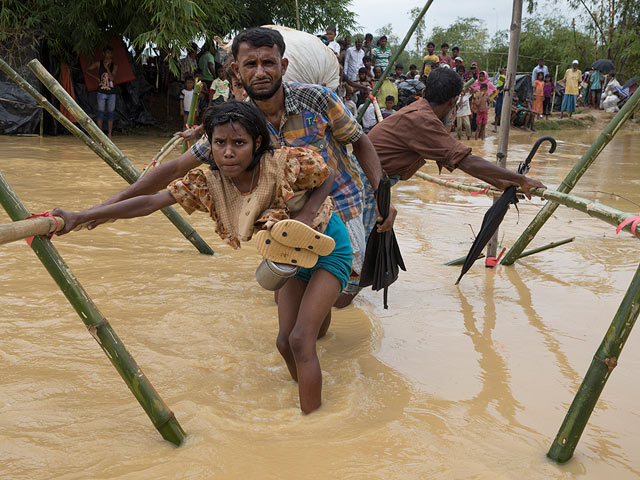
297	16
555	85
99	328
117	160
573	177
394	57
603	363
507	97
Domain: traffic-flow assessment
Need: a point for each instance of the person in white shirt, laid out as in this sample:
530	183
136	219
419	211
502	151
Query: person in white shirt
353	60
541	67
185	98
331	36
350	104
463	115
369	119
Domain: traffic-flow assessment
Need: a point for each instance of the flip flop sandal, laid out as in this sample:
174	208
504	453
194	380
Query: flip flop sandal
293	233
277	252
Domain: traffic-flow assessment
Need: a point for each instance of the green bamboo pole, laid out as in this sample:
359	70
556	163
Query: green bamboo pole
603	363
548	246
123	165
594	209
192	113
11	232
162	153
394	57
572	178
55	113
461	260
99	328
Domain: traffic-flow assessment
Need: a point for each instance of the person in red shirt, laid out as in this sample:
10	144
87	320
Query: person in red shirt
444	57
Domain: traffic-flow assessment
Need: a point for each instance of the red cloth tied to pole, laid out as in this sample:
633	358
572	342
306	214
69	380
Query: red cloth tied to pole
634	221
43	214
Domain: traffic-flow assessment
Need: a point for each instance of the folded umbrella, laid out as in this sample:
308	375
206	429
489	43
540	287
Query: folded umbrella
496	213
604	65
382	258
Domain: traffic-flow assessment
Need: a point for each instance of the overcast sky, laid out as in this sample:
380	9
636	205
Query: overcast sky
373	14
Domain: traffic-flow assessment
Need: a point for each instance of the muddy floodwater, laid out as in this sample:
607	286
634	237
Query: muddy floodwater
468	381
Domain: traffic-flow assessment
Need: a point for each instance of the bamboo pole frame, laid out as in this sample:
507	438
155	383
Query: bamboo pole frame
573	177
592	208
192	112
162	153
394	57
11	232
161	416
117	160
507	97
603	363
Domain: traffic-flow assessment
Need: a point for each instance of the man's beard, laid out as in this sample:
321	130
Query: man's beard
262	95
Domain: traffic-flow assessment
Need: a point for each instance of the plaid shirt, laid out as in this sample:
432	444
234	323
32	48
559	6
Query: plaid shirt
315	118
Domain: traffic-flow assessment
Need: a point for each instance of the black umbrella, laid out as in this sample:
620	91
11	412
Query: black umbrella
496	213
631	82
382	259
604	65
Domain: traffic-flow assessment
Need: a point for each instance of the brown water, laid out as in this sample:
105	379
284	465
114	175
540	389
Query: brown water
451	382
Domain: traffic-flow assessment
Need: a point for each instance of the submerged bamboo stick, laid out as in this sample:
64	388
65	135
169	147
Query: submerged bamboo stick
99	328
22	229
603	363
118	160
573	177
192	113
394	57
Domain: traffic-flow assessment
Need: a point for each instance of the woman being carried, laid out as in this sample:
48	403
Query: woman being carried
251	187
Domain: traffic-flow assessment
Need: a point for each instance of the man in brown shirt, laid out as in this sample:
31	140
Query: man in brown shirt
420	131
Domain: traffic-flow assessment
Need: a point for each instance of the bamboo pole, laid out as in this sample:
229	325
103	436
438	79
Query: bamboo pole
162	153
192	112
394	57
555	87
54	112
118	160
99	328
573	177
603	363
507	97
594	209
461	260
22	229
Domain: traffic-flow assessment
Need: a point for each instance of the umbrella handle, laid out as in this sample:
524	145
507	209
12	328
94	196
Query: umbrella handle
524	166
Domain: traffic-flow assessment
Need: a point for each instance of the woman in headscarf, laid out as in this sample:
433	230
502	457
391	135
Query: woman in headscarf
483	77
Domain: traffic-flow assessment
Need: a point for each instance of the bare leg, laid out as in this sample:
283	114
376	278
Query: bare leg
99	122
109	128
321	292
289	296
325	326
344	300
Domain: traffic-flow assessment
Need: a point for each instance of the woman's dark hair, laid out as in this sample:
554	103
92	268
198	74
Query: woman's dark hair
540	73
258	37
242	113
442	85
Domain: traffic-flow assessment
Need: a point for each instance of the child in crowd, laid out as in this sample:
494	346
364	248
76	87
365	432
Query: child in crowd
237	91
350	104
481	102
219	87
388	106
444	56
548	89
538	94
463	115
399	76
203	97
521	115
369	119
186	95
377	73
413	72
462	71
250	187
366	61
430	60
363	85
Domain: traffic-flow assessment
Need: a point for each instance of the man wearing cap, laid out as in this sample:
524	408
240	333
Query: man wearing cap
571	80
541	67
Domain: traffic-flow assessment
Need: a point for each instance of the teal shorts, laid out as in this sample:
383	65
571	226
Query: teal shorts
338	262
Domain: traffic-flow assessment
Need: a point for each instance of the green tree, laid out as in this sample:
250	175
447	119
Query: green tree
468	33
78	26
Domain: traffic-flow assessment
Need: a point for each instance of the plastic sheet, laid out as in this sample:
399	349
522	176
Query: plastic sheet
19	113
